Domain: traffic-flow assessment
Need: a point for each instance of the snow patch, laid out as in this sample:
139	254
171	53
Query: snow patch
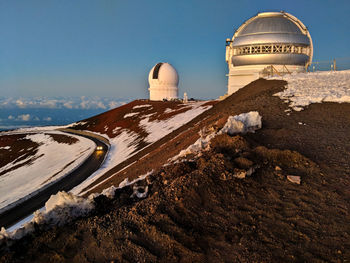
60	209
201	144
168	110
5	148
141	106
317	87
116	130
130	114
126	182
122	147
159	128
109	192
243	123
79	123
64	207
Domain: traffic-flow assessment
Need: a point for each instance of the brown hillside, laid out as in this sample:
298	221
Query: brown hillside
129	115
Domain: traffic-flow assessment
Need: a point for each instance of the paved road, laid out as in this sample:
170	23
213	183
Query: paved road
37	201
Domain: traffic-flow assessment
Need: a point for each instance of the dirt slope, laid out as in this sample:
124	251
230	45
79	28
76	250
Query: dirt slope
145	122
199	211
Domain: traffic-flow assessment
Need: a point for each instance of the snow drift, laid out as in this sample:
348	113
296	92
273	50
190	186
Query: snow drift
243	123
317	87
64	207
59	210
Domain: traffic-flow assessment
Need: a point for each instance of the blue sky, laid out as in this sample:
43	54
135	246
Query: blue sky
106	48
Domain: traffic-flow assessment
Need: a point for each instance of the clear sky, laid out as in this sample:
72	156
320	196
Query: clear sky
106	47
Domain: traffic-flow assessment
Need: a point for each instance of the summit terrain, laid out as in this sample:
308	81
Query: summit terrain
280	194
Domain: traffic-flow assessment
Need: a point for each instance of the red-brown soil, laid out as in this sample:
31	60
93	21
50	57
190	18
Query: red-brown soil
198	211
108	121
61	138
113	122
19	148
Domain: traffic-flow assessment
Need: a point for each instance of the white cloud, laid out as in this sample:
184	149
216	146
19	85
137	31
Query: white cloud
84	105
5	103
20	103
68	104
10	117
113	104
23	117
100	105
48	104
92	104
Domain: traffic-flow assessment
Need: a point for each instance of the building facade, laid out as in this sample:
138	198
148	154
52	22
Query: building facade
270	43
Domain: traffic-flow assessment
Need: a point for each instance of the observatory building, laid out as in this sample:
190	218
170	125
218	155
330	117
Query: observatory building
271	43
163	82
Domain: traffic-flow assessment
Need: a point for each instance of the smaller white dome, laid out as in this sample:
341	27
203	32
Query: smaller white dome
163	82
163	74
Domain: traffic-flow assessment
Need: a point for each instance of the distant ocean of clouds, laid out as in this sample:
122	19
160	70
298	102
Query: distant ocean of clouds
42	111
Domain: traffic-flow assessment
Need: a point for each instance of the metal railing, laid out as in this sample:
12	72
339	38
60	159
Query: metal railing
327	65
271	71
334	64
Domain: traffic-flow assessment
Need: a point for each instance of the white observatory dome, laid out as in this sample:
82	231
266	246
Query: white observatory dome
270	42
163	82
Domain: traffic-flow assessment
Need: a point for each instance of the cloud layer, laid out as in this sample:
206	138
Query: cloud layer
27	117
61	103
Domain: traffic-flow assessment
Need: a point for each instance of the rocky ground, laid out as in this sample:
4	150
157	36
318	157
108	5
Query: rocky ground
241	201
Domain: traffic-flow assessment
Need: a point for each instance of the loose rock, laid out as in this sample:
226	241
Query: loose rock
294	179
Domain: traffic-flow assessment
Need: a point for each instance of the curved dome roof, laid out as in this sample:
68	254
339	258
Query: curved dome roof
271	27
272	38
163	74
274	24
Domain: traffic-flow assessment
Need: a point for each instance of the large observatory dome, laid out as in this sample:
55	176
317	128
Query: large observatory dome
275	39
163	82
272	38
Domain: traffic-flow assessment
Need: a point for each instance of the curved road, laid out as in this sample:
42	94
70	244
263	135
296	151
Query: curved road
77	176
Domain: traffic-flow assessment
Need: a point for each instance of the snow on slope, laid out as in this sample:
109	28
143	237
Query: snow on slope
306	88
159	128
152	124
242	123
121	148
52	161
